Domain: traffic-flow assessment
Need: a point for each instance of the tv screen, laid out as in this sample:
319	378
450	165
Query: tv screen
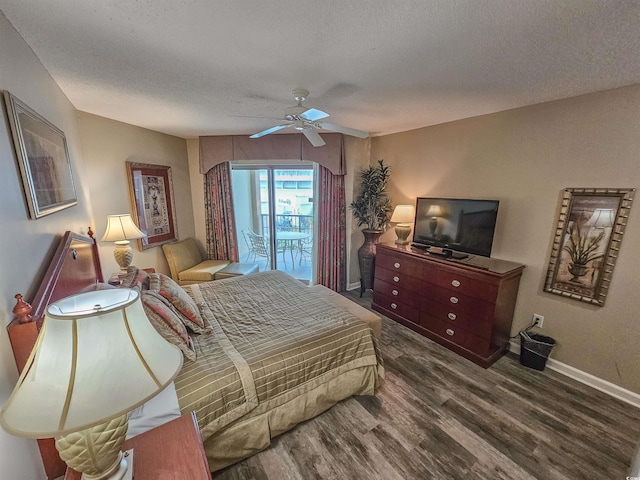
462	225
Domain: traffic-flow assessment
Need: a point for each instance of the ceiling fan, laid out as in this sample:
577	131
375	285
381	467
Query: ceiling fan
307	121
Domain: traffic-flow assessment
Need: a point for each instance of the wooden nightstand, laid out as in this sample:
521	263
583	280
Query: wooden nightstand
171	451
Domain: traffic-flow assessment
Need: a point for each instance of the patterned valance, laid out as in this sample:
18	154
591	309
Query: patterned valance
218	149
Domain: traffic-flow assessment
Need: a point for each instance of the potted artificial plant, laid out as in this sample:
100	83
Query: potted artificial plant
582	249
371	209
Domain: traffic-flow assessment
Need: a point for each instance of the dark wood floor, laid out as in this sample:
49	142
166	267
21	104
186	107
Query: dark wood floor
439	416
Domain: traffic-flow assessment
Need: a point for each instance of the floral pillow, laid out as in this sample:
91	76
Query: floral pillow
135	278
173	293
167	322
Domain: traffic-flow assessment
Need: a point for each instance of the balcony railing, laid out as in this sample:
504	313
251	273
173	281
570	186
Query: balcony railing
288	223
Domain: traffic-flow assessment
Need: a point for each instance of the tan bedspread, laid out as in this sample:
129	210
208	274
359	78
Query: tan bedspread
272	338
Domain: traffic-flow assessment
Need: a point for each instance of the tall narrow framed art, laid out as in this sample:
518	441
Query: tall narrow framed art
151	191
587	242
43	159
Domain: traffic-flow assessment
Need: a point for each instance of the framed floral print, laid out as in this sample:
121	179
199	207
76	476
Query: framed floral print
151	191
587	241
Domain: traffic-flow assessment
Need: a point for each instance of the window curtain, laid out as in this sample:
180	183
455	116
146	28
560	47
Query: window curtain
219	218
332	230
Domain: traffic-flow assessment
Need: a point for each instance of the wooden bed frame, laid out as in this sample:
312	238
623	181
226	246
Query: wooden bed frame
75	267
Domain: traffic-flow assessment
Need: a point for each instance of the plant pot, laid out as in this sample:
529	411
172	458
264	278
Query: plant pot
577	270
367	258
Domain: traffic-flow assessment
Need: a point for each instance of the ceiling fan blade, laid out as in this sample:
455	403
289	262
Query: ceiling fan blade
314	137
268	131
313	114
340	129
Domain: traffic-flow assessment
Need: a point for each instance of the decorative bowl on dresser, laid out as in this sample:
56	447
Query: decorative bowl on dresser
465	305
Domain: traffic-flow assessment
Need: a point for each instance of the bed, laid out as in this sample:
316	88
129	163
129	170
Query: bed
273	353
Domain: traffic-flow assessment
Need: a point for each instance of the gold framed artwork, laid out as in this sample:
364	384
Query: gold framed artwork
43	158
587	241
151	191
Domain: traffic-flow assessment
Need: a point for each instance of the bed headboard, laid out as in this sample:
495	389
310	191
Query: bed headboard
75	267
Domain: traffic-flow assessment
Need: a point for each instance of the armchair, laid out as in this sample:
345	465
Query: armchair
188	265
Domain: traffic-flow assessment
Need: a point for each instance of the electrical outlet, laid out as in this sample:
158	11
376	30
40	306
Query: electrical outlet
538	320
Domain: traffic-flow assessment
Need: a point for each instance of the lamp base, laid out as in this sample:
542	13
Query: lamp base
96	451
402	231
123	254
124	471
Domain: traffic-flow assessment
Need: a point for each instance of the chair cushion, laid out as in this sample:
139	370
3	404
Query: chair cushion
182	255
203	272
236	269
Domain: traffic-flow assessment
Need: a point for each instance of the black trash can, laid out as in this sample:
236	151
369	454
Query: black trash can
535	349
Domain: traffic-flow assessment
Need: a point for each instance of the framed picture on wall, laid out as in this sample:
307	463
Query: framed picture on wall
151	191
586	242
43	158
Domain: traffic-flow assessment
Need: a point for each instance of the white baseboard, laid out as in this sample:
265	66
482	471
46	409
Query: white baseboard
609	388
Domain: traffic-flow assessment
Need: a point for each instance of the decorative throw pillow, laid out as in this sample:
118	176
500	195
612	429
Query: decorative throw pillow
168	323
135	278
174	293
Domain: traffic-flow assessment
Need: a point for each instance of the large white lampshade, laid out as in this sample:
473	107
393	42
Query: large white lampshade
121	229
97	357
403	215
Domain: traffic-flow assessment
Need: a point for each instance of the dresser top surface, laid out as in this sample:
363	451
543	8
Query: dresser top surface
492	265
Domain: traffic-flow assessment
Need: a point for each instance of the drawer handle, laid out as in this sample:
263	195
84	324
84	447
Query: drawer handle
455	283
396	279
394	292
452	316
394	306
397	265
453	299
450	332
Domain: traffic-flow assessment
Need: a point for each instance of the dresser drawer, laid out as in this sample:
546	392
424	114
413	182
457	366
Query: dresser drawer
399	279
397	293
465	285
455	318
399	263
459	336
402	309
459	302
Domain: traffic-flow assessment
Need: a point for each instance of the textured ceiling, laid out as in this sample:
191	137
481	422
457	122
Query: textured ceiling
193	68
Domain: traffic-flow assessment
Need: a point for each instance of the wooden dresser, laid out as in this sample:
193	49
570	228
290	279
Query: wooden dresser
465	305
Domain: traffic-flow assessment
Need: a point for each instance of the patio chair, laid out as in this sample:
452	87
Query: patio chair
259	247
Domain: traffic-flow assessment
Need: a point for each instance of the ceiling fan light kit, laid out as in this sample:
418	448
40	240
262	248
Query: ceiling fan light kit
305	120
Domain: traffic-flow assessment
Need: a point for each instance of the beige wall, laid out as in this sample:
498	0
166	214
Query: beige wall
25	244
107	146
524	158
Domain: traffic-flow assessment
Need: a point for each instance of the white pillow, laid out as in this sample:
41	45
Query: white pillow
160	409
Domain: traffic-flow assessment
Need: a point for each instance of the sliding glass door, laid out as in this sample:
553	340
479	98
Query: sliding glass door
274	212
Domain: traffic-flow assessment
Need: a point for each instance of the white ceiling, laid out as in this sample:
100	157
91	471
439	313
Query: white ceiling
192	68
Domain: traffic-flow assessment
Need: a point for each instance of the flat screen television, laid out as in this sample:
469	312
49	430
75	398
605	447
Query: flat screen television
455	225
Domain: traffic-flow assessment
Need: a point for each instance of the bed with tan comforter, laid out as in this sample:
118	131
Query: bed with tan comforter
278	353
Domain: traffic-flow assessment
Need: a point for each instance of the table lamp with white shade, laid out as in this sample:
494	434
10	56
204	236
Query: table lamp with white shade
404	216
121	229
97	357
